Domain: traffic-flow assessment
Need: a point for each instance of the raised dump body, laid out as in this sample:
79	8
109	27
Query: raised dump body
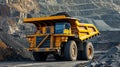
64	37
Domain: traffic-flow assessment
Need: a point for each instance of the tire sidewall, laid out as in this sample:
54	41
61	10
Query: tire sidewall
73	44
89	45
67	50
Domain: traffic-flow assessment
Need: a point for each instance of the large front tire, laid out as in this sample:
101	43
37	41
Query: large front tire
70	51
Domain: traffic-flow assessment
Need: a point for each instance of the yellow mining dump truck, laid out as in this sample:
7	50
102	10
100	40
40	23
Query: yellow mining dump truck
64	37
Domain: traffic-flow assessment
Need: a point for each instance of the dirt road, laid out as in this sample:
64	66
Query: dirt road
44	64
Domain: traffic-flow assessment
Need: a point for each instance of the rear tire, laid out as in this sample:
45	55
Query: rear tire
40	56
70	51
88	52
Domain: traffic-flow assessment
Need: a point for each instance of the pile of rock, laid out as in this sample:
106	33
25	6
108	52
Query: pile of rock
109	59
16	46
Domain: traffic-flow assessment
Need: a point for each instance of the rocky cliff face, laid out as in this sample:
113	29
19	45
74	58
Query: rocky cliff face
11	16
107	10
106	13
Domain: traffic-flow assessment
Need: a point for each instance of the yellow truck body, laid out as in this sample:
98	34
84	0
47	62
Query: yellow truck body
55	31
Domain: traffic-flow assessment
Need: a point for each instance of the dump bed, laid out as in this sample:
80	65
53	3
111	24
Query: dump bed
80	30
86	31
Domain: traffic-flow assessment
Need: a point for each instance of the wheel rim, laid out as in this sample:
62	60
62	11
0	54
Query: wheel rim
90	52
73	50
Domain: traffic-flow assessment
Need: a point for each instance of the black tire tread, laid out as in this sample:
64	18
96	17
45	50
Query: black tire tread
67	50
84	52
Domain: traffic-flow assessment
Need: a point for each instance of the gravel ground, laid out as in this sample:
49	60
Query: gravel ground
49	63
45	64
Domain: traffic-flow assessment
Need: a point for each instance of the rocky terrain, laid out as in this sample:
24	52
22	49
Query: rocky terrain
11	16
105	14
110	59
